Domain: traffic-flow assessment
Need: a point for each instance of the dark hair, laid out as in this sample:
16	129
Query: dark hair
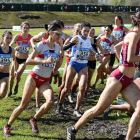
85	24
120	18
25	22
110	27
58	21
46	26
92	28
3	35
54	27
6	32
135	19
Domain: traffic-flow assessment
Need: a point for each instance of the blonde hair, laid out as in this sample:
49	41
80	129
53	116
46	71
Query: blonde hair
77	25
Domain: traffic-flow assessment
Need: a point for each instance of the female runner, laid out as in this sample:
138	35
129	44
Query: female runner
44	57
117	82
22	41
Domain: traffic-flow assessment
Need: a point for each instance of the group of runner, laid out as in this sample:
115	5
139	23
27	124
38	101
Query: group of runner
81	51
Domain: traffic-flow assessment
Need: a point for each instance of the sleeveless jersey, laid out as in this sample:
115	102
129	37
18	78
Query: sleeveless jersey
45	70
23	44
118	32
5	58
81	51
123	54
106	43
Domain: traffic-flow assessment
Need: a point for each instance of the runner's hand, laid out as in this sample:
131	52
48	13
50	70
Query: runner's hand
49	60
74	40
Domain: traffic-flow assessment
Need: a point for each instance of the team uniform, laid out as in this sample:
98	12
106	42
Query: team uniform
106	44
5	59
45	37
118	34
80	54
123	62
92	63
41	73
24	46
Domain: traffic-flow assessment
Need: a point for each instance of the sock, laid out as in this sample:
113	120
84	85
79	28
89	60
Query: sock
74	87
60	89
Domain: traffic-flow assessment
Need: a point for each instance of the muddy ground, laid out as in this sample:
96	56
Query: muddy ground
97	129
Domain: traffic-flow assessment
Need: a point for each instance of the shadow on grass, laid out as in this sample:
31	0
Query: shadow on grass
37	136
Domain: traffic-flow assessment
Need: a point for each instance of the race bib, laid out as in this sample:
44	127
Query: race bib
23	48
5	59
83	54
54	56
117	34
105	46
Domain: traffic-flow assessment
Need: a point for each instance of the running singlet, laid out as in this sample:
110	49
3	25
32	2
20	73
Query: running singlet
45	37
123	54
106	43
118	33
81	51
23	44
45	70
5	58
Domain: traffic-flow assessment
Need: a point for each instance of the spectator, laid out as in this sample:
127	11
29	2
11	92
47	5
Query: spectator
95	9
62	8
137	9
2	8
12	8
111	9
91	8
119	9
45	8
87	9
101	9
78	9
21	8
66	8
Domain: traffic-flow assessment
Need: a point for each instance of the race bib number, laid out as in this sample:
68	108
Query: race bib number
117	34
83	54
54	56
105	46
23	48
5	59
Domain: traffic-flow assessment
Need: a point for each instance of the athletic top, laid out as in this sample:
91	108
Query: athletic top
23	44
112	51
5	58
106	43
123	54
81	51
63	37
45	37
118	32
45	70
68	52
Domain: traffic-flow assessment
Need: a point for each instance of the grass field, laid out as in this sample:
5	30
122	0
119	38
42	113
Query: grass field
51	127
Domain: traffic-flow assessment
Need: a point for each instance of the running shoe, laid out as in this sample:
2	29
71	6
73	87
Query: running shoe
107	112
7	131
70	135
59	81
77	113
9	94
93	86
58	108
34	125
102	82
37	109
15	90
70	99
55	79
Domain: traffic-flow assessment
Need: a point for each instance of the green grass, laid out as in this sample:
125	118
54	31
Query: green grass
69	18
50	128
